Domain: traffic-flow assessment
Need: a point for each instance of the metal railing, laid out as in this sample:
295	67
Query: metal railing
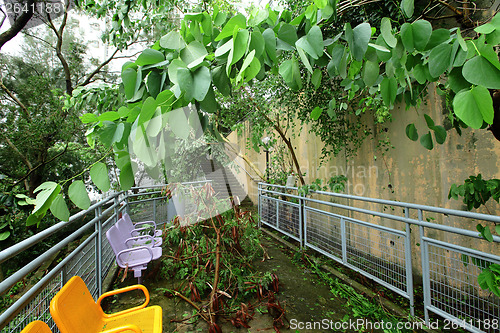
391	242
92	259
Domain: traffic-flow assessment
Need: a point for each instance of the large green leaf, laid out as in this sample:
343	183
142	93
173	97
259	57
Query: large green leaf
426	141
235	22
312	43
316	78
78	194
47	192
99	176
149	57
360	38
193	54
473	106
440	59
408	7
209	104
288	33
482	72
154	83
270	40
411	132
305	60
389	90
290	72
129	79
201	83
172	41
240	43
438	36
186	83
386	30
248	60
126	177
148	110
221	81
257	43
59	208
370	73
416	35
111	133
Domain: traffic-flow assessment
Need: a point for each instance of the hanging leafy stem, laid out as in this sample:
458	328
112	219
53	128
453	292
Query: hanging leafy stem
215	52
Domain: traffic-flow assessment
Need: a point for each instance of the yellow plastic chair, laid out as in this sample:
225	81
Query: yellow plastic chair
74	311
37	326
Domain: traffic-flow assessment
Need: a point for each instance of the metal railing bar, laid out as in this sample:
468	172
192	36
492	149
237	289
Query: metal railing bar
11	280
29	242
15	308
350	219
446	211
378	280
134	195
454	230
281	230
144	200
446	315
279	186
472	252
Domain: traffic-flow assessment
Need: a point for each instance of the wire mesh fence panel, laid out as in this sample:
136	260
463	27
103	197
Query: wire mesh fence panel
268	211
377	252
37	309
289	219
83	264
455	291
142	210
323	233
107	254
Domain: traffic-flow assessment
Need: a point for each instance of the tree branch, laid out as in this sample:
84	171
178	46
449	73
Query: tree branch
39	165
13	146
18	24
98	69
59	34
11	95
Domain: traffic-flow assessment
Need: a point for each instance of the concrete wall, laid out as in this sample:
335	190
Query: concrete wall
407	172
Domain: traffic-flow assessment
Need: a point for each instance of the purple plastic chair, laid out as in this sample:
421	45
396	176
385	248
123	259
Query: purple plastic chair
135	258
139	240
138	227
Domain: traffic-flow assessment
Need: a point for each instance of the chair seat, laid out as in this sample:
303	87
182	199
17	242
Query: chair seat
144	318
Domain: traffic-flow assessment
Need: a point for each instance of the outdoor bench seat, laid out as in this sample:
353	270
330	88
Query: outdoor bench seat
134	257
143	226
74	311
140	239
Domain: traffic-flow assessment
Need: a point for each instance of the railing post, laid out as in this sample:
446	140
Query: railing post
302	222
154	210
344	240
98	251
259	204
425	272
409	272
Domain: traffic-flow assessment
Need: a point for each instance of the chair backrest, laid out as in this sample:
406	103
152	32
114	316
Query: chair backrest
128	220
125	227
115	239
74	310
37	326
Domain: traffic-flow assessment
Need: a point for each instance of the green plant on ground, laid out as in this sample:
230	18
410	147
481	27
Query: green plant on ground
212	259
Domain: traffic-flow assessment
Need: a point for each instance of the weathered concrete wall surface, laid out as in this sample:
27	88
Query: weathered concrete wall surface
407	172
